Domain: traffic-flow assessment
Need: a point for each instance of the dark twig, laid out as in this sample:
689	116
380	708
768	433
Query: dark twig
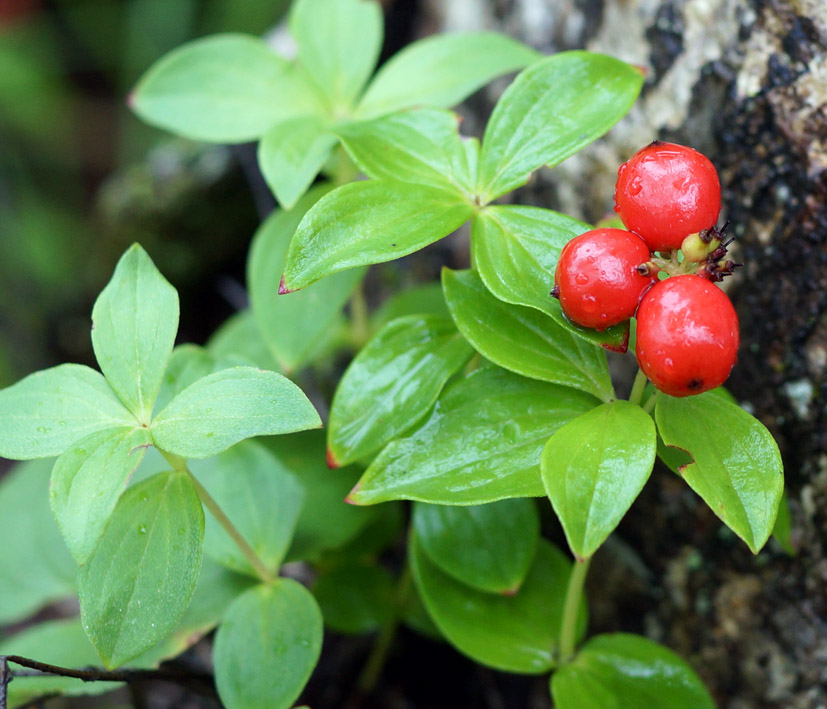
201	683
4	682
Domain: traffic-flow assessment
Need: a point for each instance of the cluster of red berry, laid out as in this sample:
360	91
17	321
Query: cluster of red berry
668	196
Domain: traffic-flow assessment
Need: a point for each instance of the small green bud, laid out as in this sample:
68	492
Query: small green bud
696	249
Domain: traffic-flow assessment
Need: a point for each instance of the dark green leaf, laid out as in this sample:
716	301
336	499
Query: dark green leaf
339	43
225	89
45	413
488	547
481	443
595	467
369	222
392	383
139	581
325	522
228	406
134	323
516	249
35	566
267	646
291	154
356	598
737	467
523	340
442	71
87	481
510	633
293	326
620	670
421	146
550	111
261	498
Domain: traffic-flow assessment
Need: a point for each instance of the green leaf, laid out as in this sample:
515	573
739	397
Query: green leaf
595	467
516	249
240	336
87	481
227	88
737	467
35	566
421	146
216	589
442	71
228	406
261	498
621	670
481	443
293	326
369	222
550	111
291	154
267	646
420	300
139	581
510	633
325	521
339	44
782	531
188	364
392	383
45	413
134	323
522	339
488	547
356	598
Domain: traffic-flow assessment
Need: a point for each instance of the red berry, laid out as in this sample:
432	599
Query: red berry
666	192
687	335
597	277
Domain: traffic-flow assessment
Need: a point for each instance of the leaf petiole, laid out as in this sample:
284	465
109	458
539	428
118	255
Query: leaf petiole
180	464
571	607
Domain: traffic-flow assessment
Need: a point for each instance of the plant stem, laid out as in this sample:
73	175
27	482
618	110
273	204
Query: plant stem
638	387
379	654
359	329
650	404
180	464
260	568
571	607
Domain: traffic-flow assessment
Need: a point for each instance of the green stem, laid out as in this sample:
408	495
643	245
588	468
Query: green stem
637	388
180	464
359	326
650	404
571	608
379	654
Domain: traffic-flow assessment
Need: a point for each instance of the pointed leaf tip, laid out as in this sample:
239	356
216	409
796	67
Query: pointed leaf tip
350	499
640	69
332	463
283	289
621	348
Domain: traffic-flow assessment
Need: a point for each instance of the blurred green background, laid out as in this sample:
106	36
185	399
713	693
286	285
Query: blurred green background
81	177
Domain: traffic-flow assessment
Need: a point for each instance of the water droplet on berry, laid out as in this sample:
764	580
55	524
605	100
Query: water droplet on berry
681	183
581	279
635	186
590	304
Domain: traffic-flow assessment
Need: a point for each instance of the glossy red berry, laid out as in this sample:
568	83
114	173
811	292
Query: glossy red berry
687	335
666	192
597	277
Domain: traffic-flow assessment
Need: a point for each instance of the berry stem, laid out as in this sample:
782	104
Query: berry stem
637	388
571	608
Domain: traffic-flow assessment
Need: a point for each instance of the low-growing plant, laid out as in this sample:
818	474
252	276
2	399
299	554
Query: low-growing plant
469	400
